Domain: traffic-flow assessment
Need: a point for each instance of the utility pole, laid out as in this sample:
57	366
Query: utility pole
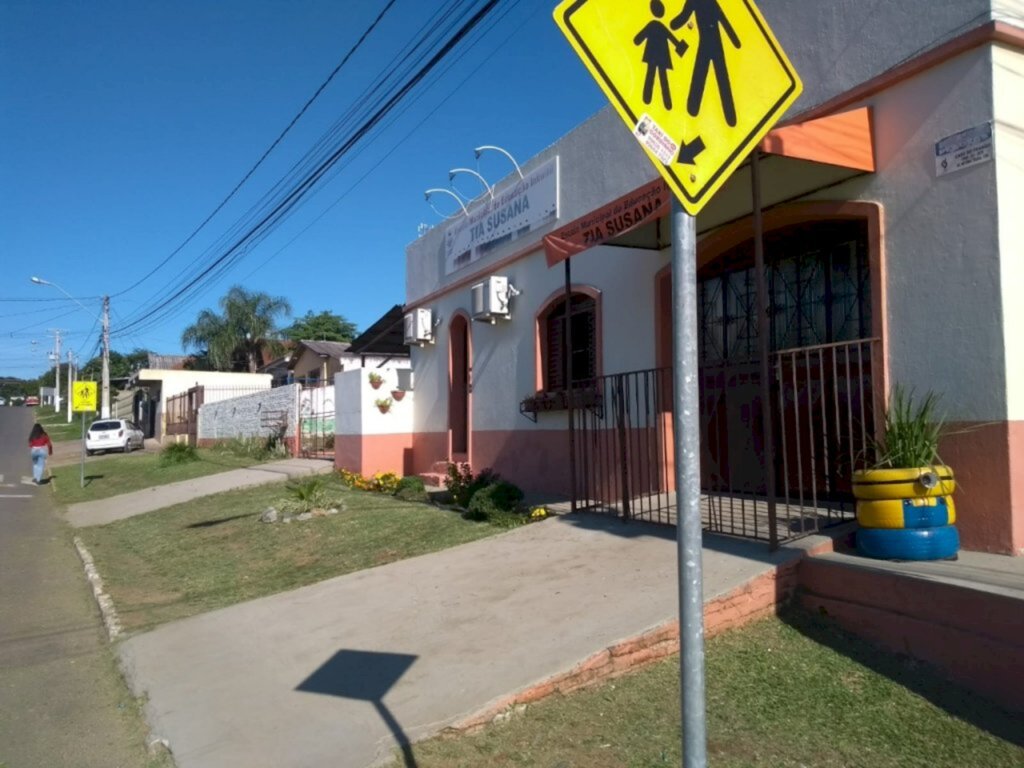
56	369
70	383
105	394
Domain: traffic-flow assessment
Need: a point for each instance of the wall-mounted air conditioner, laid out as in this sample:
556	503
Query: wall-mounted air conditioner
419	327
491	299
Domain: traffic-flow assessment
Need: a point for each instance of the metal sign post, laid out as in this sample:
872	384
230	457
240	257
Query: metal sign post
83	399
686	424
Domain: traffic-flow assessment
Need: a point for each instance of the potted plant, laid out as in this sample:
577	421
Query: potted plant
397	394
905	502
383	404
375	379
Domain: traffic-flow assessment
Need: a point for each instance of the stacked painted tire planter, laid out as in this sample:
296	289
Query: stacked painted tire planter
906	514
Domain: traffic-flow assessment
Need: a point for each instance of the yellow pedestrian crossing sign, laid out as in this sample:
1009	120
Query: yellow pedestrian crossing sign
698	82
83	396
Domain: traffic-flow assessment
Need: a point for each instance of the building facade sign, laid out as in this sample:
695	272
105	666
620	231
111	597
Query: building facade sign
529	204
964	149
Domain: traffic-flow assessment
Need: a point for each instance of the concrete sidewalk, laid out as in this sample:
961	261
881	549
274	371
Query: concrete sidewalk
313	677
108	510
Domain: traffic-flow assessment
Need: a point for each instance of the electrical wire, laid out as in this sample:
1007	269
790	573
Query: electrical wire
348	55
296	194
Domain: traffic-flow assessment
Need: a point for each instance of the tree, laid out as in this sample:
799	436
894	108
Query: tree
234	339
325	326
121	365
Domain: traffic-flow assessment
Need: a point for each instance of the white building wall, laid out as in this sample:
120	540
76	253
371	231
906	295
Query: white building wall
355	411
941	240
1008	74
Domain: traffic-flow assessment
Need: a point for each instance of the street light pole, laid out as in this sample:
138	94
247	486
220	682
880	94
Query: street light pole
56	370
105	393
105	396
70	383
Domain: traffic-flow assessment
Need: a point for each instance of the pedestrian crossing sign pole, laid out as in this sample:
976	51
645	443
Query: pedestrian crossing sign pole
83	401
699	83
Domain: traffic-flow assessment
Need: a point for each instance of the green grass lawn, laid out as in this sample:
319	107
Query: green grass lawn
123	474
56	424
781	693
213	552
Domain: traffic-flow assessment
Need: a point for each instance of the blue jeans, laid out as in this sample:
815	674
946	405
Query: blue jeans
39	463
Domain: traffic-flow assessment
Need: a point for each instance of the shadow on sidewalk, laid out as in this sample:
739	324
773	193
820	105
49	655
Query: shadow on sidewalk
365	676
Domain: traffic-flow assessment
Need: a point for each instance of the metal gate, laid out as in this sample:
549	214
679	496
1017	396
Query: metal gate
824	415
316	421
182	414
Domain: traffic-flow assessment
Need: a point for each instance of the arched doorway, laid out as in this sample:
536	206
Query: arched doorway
459	380
826	366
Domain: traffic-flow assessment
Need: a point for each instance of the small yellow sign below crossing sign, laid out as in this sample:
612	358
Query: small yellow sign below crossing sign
698	82
83	396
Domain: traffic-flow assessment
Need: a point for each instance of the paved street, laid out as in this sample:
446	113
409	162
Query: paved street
62	702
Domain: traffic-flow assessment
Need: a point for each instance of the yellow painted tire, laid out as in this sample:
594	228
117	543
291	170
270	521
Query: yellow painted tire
928	512
874	484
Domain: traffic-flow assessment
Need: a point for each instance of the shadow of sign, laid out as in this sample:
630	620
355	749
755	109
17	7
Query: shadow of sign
365	676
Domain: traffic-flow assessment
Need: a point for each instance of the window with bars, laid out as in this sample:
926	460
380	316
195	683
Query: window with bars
583	317
818	288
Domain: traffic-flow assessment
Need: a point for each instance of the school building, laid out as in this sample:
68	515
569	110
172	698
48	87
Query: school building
890	195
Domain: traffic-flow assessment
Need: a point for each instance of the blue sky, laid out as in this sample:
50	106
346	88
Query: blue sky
125	123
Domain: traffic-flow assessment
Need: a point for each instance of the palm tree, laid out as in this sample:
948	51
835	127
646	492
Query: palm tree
235	337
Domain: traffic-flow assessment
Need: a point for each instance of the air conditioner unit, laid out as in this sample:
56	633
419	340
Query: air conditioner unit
419	327
490	299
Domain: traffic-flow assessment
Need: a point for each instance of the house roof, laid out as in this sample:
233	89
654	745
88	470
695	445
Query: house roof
168	362
335	349
384	337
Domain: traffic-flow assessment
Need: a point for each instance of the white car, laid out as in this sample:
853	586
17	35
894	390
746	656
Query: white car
113	435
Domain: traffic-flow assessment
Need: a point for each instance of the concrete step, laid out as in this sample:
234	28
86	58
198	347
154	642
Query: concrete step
962	617
432	478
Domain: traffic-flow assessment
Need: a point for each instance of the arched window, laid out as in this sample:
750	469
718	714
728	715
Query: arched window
554	354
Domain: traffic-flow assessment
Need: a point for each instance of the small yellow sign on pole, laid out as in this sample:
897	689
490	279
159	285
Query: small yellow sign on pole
698	82
83	397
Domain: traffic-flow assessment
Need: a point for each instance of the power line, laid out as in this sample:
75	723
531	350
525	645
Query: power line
348	55
274	216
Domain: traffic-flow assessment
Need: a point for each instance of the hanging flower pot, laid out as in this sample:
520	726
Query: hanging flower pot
398	394
376	380
383	405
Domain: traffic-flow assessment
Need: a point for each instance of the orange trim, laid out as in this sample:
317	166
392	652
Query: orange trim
843	140
717	243
540	354
992	32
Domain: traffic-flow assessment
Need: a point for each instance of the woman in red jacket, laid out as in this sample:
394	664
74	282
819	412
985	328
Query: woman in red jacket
40	446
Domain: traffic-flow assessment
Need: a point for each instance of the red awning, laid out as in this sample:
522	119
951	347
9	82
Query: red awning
843	140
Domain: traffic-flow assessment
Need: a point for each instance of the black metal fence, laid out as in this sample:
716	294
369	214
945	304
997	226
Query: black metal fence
823	412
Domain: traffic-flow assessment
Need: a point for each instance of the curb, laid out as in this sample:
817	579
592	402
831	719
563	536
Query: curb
106	605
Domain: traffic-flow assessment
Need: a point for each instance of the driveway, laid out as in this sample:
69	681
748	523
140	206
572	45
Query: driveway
338	673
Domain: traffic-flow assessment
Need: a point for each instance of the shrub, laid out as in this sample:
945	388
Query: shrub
306	493
385	482
462	484
493	501
258	448
411	489
912	431
178	453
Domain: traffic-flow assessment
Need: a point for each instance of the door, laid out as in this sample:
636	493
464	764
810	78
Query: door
459	388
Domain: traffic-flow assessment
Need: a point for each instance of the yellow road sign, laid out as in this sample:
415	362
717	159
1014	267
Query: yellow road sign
698	82
83	396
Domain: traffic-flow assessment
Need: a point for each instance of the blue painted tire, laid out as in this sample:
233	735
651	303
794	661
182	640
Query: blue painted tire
909	543
930	512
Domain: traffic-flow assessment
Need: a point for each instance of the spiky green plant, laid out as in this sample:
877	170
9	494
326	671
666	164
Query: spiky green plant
912	431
